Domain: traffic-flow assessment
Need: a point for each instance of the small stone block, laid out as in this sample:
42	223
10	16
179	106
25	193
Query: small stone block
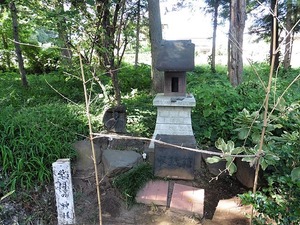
154	192
188	199
116	161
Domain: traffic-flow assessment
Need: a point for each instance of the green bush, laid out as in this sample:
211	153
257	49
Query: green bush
131	77
141	114
217	104
40	60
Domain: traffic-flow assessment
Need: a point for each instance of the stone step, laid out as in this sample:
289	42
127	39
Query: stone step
183	198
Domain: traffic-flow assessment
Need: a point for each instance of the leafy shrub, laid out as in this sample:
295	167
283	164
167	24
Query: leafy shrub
141	114
41	60
131	77
217	104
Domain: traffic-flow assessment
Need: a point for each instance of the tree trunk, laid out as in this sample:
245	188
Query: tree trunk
63	38
276	39
15	25
155	39
289	37
7	54
215	25
137	42
237	25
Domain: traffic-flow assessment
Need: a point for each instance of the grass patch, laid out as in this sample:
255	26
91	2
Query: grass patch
132	181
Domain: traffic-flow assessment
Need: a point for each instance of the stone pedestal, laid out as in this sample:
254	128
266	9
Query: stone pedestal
174	122
173	115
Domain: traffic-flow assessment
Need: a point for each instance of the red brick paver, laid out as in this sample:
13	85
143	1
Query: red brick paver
188	199
154	192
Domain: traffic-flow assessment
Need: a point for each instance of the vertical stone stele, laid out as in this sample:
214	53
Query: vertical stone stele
63	191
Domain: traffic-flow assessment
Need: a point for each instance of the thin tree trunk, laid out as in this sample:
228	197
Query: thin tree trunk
155	39
215	25
229	41
115	81
289	38
7	54
137	42
275	40
237	25
14	15
266	104
66	53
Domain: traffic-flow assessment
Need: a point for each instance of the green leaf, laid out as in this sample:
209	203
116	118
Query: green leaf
263	164
213	159
295	174
238	150
243	133
255	137
220	144
247	159
229	147
231	167
206	113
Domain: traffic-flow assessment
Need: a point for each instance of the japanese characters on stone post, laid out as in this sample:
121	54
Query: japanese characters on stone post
63	192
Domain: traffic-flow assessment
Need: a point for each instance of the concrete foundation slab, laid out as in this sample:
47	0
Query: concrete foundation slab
188	199
154	192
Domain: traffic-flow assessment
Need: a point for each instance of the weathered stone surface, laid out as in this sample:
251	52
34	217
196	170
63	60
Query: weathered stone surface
154	192
176	56
114	119
173	118
245	174
188	199
84	160
174	162
117	161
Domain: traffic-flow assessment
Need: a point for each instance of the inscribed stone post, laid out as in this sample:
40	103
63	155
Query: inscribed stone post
63	191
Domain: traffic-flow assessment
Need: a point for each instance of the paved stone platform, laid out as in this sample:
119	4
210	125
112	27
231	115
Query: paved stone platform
154	192
184	198
188	199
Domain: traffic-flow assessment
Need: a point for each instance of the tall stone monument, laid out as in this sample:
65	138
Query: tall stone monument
174	106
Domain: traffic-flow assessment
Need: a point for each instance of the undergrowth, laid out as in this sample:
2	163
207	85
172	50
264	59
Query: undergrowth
132	181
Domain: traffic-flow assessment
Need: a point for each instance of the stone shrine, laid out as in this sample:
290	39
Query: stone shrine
174	106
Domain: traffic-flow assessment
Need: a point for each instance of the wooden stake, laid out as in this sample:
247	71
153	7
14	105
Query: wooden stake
87	108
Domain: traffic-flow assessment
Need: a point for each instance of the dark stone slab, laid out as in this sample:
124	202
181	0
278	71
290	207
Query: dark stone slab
176	56
114	119
116	161
245	174
174	162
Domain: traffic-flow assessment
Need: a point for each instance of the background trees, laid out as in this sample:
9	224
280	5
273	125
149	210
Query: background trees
104	29
287	15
